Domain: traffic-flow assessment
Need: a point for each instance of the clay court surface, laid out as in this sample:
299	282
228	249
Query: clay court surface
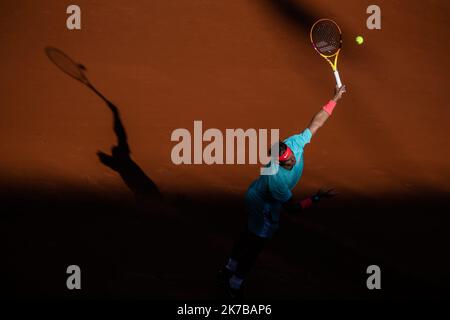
232	64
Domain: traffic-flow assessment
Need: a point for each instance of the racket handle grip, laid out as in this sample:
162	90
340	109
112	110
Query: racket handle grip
338	79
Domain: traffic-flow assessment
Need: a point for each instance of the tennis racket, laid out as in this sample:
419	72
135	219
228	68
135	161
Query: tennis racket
70	67
326	38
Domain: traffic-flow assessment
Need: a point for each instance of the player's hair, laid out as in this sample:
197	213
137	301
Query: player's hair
282	147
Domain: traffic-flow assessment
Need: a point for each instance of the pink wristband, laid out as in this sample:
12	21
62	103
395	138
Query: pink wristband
328	108
306	203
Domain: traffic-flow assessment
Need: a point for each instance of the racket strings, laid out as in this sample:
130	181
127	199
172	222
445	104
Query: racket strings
326	37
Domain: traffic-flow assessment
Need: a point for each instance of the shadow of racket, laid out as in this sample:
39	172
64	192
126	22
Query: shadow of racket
69	66
144	189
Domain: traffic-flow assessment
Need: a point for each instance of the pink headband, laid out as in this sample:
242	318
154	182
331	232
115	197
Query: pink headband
287	153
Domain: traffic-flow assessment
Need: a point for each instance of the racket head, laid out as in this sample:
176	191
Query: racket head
326	37
66	64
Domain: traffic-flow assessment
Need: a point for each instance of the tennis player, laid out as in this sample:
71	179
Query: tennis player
266	197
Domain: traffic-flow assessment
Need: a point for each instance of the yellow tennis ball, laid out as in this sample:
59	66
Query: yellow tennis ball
359	40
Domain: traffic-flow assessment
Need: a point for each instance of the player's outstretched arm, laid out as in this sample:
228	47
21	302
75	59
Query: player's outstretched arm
321	117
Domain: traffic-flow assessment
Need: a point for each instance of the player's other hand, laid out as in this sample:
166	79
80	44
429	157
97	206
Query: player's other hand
339	92
324	193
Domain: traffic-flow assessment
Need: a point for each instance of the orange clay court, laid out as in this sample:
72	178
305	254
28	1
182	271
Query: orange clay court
231	64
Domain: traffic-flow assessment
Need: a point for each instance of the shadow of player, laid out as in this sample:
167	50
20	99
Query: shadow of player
143	188
301	16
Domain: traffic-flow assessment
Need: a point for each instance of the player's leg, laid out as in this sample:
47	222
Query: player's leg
239	248
253	248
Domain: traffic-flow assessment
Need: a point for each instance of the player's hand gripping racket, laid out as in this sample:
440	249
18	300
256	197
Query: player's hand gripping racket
72	68
326	38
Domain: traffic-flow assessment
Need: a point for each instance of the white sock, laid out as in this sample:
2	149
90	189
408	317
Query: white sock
231	265
235	282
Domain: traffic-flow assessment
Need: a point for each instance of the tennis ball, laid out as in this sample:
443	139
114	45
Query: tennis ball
359	40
